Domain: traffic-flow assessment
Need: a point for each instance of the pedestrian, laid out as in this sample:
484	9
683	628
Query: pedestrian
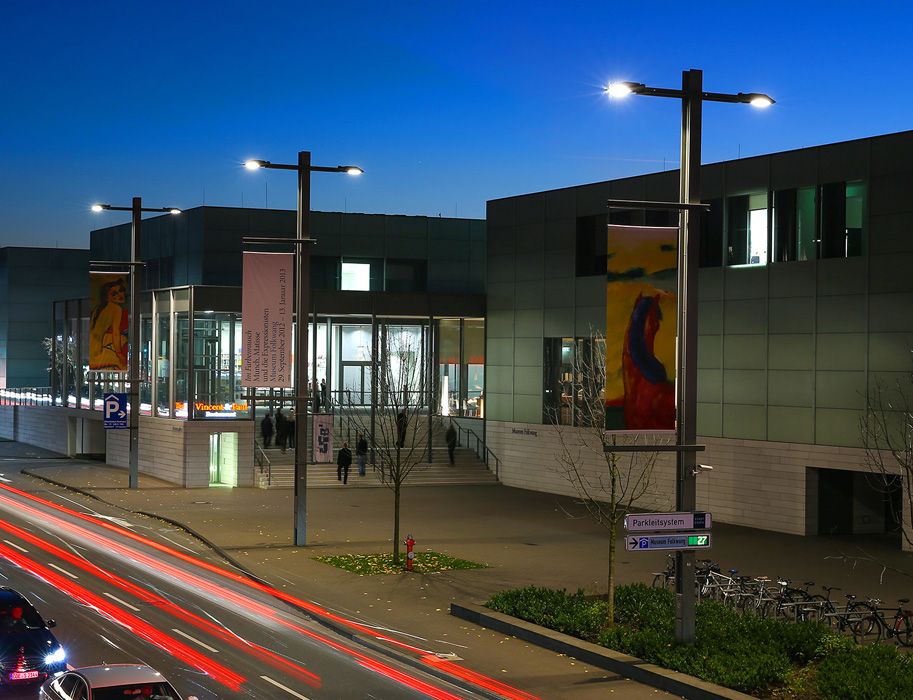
451	442
266	430
343	462
402	422
290	428
281	429
361	453
316	400
325	395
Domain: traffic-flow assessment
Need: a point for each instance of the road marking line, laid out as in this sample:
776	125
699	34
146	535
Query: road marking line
13	544
9	481
194	639
63	571
285	688
118	600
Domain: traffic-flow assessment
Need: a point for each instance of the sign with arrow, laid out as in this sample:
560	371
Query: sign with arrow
697	540
115	411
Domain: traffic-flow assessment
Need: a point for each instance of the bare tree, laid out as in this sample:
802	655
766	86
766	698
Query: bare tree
886	431
609	484
398	443
65	354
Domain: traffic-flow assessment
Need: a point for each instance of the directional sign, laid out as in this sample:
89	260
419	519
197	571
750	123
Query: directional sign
698	540
651	522
115	411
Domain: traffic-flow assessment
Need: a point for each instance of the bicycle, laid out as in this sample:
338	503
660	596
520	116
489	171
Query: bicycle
873	625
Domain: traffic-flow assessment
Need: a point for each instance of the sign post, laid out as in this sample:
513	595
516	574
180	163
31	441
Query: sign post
115	412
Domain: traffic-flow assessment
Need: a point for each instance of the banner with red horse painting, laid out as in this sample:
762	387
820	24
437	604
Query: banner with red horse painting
641	308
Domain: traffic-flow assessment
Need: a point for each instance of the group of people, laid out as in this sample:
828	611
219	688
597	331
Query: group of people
283	427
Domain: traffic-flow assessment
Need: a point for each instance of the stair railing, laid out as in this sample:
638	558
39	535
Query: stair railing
263	462
482	451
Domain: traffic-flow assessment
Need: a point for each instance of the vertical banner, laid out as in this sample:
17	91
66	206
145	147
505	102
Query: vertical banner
641	317
266	318
323	437
109	321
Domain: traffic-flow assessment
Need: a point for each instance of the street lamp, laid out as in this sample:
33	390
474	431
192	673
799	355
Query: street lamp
302	282
692	96
133	377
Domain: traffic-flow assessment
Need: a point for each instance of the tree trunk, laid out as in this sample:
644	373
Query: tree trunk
396	488
610	597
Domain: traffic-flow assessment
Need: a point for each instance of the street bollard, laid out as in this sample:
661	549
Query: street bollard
410	555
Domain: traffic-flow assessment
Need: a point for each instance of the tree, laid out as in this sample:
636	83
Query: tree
886	431
608	483
65	354
397	443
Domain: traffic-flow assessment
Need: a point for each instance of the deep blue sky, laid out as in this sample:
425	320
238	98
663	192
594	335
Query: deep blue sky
445	104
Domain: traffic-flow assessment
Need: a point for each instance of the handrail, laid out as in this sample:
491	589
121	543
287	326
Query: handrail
260	457
486	452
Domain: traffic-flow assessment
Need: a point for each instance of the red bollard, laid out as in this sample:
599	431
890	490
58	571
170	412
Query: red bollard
410	555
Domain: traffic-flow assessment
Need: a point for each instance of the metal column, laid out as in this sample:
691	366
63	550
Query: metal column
302	284
133	367
688	251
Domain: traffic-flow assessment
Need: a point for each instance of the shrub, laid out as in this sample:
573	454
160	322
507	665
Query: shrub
877	672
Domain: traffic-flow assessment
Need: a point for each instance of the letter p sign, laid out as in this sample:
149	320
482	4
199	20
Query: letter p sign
115	411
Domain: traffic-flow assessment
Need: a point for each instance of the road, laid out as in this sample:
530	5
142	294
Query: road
129	590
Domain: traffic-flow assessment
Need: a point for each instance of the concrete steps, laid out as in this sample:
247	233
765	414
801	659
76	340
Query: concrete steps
466	470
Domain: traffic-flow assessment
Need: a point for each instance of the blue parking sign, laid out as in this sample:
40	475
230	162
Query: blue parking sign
115	409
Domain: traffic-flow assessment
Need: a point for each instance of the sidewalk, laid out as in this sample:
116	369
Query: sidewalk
526	538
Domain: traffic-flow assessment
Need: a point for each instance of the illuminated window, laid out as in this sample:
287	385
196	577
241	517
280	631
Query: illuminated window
747	234
356	277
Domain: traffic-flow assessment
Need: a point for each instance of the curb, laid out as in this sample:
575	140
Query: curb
631	667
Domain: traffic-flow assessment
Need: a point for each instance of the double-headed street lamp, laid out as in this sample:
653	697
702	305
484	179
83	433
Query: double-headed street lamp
133	377
692	96
302	282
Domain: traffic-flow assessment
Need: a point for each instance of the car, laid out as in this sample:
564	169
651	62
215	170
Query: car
29	653
110	682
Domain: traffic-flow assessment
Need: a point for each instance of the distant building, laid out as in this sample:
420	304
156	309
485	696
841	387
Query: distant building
30	279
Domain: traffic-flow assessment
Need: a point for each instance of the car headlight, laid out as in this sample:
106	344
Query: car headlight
55	657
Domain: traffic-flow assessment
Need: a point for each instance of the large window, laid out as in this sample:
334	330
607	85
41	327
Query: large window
794	224
712	235
842	211
406	276
592	245
356	277
747	230
573	382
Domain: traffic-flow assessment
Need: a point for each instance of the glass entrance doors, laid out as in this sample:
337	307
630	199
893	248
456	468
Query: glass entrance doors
223	459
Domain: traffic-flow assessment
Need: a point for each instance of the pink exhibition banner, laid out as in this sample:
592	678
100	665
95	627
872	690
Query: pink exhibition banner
266	318
323	438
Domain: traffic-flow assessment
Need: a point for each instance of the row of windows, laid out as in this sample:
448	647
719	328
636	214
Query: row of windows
369	274
802	223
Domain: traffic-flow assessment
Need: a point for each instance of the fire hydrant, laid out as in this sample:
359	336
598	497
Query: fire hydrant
410	555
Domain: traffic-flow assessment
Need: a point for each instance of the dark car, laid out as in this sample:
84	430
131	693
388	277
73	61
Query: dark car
29	653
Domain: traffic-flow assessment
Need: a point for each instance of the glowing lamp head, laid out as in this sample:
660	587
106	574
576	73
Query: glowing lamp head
97	208
760	101
174	211
352	170
253	164
620	89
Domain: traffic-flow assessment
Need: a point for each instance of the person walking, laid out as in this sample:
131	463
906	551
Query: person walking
451	436
343	462
290	428
281	429
402	422
266	430
361	453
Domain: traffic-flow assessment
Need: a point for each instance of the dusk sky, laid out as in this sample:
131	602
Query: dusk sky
445	104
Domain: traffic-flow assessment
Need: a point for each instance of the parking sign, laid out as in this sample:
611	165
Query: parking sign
115	411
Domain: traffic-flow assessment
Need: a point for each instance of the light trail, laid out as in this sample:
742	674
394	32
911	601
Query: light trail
166	605
466	674
141	628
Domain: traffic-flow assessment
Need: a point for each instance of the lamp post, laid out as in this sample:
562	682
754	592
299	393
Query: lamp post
136	209
304	168
692	96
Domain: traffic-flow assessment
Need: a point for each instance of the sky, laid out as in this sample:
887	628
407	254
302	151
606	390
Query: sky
444	104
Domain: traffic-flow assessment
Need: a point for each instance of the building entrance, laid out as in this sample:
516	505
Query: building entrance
223	459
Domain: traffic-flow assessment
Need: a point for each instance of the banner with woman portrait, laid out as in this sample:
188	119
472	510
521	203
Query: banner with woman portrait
641	313
109	321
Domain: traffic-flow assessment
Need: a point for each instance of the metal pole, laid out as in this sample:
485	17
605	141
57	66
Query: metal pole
688	251
302	284
133	367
